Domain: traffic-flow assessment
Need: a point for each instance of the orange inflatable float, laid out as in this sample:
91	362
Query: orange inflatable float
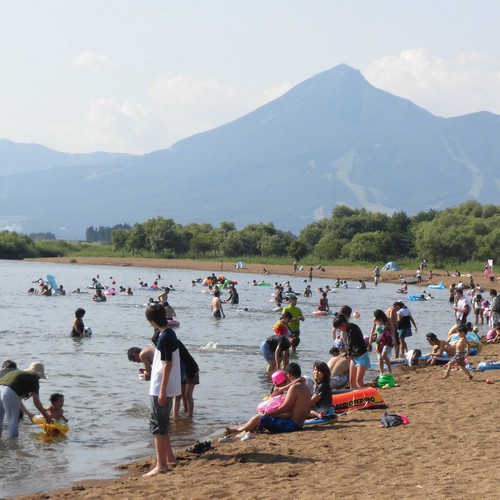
357	399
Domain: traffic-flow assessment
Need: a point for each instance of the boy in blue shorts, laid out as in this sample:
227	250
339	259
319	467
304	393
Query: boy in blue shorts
290	416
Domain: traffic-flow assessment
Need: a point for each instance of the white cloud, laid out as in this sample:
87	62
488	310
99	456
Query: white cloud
116	125
466	84
92	62
275	92
185	105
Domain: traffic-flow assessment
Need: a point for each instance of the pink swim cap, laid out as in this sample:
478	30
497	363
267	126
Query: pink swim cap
278	377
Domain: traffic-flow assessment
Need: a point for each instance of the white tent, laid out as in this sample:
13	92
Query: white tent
391	266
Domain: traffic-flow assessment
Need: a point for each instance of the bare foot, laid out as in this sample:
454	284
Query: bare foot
470	377
232	430
446	376
155	471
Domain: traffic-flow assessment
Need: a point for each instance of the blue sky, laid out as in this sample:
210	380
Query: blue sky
136	76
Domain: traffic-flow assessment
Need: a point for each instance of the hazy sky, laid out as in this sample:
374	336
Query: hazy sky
135	76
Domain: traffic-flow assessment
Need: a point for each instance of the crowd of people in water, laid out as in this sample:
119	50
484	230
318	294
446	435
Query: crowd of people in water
173	373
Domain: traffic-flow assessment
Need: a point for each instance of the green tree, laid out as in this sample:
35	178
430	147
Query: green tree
329	247
297	250
374	246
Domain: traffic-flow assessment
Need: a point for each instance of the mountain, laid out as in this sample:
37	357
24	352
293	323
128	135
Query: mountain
331	139
16	158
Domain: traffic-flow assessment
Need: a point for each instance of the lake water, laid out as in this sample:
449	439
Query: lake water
106	403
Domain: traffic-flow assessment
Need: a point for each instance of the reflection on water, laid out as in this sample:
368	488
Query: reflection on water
106	403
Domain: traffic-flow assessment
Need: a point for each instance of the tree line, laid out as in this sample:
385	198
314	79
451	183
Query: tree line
470	231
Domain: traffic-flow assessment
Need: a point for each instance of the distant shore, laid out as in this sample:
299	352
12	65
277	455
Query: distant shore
329	276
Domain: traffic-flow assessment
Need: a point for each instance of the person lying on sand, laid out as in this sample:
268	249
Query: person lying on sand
290	416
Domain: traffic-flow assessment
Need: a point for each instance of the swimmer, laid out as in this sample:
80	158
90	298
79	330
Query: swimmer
216	306
78	329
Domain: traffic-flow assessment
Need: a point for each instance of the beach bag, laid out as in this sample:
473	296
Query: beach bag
393	420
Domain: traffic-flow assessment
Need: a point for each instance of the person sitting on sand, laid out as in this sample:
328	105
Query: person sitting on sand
290	415
439	347
493	335
144	356
322	398
55	410
339	369
454	330
462	347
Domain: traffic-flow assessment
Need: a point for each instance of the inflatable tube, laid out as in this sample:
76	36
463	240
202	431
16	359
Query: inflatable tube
53	284
488	365
322	313
112	291
415	297
263	283
327	419
357	399
55	429
148	288
271	403
172	323
471	338
438	286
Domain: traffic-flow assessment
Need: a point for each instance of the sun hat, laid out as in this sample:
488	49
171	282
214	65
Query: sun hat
278	377
38	368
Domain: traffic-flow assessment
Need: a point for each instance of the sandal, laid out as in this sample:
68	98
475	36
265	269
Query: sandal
200	447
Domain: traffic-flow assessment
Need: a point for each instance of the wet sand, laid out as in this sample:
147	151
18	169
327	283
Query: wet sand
449	450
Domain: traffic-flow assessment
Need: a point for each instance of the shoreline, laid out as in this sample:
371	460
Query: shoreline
349	273
451	439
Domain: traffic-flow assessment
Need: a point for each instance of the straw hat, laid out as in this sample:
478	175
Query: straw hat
38	368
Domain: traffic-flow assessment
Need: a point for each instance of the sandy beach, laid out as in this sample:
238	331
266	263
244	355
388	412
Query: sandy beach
449	449
331	273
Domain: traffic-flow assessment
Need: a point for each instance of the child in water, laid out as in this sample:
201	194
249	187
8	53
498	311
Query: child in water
55	410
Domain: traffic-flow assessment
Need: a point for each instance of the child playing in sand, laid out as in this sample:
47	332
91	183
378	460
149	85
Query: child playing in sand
462	347
55	410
